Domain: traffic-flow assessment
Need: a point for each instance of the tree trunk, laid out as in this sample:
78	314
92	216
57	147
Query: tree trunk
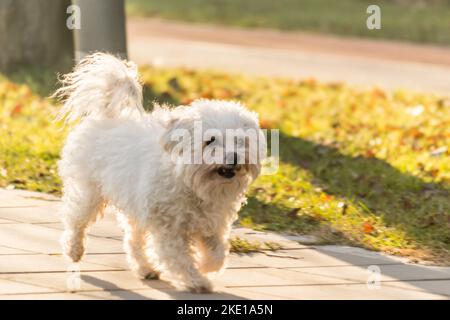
102	28
34	32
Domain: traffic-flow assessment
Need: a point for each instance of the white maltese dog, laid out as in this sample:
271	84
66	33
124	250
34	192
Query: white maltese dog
169	174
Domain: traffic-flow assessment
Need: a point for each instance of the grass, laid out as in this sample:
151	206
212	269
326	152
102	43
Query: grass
29	139
240	245
361	167
408	20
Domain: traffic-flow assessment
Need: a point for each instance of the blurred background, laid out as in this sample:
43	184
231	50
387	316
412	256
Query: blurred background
363	114
423	21
295	38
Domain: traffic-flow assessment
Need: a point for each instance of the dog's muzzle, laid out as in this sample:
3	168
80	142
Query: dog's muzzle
228	171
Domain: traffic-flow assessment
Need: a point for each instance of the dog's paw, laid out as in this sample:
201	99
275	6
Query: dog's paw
204	286
200	289
152	275
147	273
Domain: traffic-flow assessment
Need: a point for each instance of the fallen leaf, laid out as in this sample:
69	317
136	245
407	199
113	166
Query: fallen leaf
377	92
266	124
207	95
434	172
16	110
369	153
414	132
368	227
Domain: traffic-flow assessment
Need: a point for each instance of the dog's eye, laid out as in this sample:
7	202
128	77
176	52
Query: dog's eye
210	141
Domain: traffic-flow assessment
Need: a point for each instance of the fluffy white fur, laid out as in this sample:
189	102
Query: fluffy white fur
176	217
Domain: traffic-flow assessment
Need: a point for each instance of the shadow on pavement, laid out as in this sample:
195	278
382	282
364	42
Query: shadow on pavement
127	294
185	295
113	289
434	280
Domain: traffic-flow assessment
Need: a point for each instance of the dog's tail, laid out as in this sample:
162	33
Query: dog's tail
102	85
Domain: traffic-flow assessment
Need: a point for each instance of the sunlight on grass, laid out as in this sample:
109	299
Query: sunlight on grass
361	167
29	141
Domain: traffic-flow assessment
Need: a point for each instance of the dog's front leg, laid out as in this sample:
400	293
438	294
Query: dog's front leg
135	245
214	252
176	256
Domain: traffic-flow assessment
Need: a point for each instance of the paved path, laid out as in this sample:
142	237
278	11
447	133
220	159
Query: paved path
31	265
298	55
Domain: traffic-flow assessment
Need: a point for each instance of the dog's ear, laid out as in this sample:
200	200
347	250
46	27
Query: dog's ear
179	131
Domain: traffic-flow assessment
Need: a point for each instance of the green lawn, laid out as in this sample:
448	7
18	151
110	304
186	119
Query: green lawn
408	20
367	168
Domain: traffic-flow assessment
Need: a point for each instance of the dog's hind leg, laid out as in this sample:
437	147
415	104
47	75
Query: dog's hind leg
135	244
81	205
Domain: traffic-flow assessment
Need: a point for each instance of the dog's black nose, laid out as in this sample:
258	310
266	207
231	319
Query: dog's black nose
226	172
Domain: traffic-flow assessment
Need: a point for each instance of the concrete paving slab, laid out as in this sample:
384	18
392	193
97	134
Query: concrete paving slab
122	285
6	221
46	240
343	292
10	251
357	257
221	294
439	287
387	272
265	260
31	214
47	296
308	258
111	260
31	237
17	264
119	261
271	277
344	252
24	198
87	281
108	228
236	262
31	267
149	294
15	286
